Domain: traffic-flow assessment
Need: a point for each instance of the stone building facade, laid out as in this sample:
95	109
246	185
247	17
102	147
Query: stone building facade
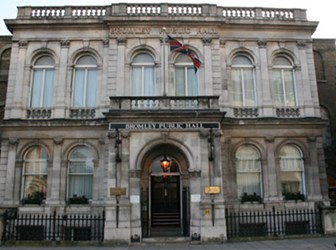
96	100
325	64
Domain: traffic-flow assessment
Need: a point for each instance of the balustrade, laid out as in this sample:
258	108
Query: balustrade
163	9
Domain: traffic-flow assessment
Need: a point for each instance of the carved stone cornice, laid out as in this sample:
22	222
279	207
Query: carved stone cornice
13	141
134	173
301	44
65	43
23	44
269	139
311	139
207	41
195	173
58	140
262	44
106	43
121	40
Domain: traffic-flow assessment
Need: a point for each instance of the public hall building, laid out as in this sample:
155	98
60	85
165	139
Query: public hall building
164	117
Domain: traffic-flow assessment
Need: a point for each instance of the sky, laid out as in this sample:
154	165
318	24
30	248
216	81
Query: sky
320	11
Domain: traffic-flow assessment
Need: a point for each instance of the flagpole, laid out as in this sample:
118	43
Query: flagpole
164	61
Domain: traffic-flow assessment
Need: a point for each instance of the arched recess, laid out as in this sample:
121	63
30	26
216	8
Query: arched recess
164	194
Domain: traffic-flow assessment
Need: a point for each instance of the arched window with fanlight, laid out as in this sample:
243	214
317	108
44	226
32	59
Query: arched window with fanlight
143	75
80	173
284	85
291	170
243	81
85	82
35	173
248	169
186	79
42	82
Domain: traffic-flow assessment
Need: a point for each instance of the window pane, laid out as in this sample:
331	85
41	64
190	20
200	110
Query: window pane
248	169
91	88
290	90
45	61
36	183
81	172
192	82
47	99
80	186
37	88
35	171
179	81
281	61
149	81
136	81
78	95
241	60
291	166
278	89
236	87
249	87
87	60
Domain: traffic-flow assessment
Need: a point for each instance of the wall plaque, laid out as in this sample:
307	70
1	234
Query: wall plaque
212	190
118	191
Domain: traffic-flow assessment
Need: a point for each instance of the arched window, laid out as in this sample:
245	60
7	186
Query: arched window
284	89
143	75
85	81
35	172
243	81
248	169
4	62
186	79
319	67
291	168
80	173
42	83
326	130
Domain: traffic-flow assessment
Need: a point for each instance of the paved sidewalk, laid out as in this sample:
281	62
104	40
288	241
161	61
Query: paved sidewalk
286	244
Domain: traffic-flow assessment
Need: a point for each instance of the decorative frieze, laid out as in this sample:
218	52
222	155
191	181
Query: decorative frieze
82	113
38	113
246	112
288	112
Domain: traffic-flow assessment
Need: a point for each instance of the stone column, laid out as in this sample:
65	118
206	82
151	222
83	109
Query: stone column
207	67
20	80
61	81
13	174
121	88
54	174
271	173
263	87
312	175
303	85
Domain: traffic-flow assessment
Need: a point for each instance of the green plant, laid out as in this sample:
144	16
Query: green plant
78	200
250	198
36	197
294	196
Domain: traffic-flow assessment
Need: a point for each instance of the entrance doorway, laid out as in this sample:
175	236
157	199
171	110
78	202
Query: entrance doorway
165	205
164	199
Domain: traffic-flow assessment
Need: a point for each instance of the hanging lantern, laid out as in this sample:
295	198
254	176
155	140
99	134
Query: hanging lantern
165	163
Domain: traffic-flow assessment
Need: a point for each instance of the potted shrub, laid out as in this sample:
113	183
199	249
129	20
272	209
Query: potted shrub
251	198
36	197
78	200
294	196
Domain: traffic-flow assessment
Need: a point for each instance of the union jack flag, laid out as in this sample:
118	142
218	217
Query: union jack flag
177	47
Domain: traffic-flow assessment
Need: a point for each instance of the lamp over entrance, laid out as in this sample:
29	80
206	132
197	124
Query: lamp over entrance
165	163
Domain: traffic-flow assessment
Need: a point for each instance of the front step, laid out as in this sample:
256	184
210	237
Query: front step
166	219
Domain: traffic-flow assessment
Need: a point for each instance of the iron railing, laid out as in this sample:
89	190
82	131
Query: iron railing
53	227
273	222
